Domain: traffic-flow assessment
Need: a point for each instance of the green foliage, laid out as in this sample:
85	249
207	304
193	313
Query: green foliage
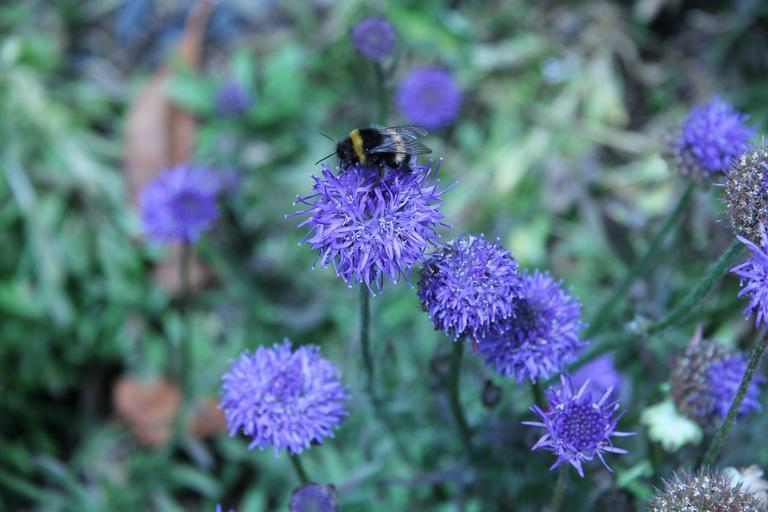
555	152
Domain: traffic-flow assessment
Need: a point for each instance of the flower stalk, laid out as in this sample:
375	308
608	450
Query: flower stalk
455	398
298	468
746	381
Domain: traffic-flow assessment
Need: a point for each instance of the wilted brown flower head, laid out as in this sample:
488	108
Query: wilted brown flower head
705	490
746	193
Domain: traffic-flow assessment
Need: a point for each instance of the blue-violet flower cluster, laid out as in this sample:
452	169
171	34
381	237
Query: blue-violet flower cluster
753	275
374	37
711	137
314	498
283	398
578	428
429	97
469	287
543	334
370	226
602	375
232	99
179	204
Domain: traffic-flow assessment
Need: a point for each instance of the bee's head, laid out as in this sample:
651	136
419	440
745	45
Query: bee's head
346	152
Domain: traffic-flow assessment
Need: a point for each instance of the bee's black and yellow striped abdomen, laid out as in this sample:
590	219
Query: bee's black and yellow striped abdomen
379	146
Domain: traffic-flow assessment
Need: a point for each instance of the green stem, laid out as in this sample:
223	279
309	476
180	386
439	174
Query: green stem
640	266
381	88
455	399
716	271
298	468
749	374
185	341
562	484
678	314
538	394
365	341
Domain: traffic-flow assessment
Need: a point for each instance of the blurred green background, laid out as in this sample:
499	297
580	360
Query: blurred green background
556	151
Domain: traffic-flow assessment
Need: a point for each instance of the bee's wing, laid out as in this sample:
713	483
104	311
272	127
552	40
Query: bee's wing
405	146
408	132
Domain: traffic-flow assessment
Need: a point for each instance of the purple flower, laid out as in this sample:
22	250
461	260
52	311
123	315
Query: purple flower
314	498
705	380
543	334
711	137
578	428
724	379
219	509
469	286
429	97
601	374
370	226
179	204
232	99
283	398
753	275
374	37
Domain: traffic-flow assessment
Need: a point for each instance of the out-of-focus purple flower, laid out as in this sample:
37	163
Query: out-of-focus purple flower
705	380
711	137
283	398
724	378
753	274
542	336
429	97
577	427
232	99
314	498
374	37
179	204
601	374
469	287
370	227
219	509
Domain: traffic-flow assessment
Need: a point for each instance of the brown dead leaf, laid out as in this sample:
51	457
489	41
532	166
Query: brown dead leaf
148	407
207	420
159	134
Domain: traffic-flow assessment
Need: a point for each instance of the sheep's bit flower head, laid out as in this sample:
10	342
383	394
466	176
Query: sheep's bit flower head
314	498
232	99
374	37
746	193
753	275
179	204
429	97
705	380
705	490
542	336
283	398
469	286
371	226
711	137
578	428
601	373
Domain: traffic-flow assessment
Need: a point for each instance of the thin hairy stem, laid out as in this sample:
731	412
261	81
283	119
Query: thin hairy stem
298	468
641	265
562	484
365	340
184	348
746	381
455	399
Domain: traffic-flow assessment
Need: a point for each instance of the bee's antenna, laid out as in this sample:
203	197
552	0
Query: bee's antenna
325	158
329	138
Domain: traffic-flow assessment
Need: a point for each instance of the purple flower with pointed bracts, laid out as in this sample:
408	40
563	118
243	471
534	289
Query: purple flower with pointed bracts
578	428
179	204
711	137
542	336
370	227
429	97
469	287
753	274
724	379
283	398
232	99
601	374
314	498
374	37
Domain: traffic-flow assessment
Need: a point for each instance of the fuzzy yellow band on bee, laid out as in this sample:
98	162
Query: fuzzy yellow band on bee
357	144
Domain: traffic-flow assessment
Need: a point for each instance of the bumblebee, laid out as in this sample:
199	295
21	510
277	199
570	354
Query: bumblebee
391	147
